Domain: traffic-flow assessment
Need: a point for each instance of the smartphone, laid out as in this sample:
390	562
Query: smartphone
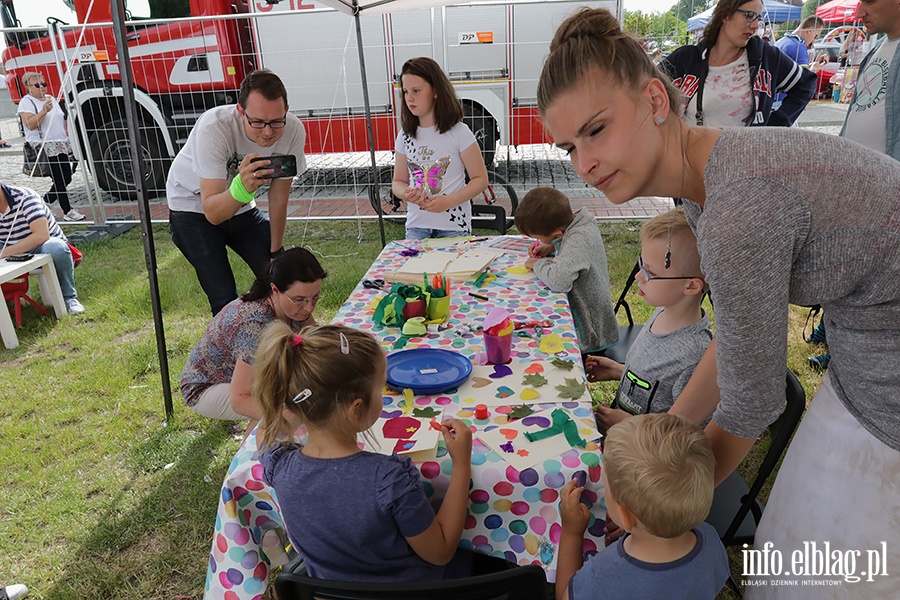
285	165
20	257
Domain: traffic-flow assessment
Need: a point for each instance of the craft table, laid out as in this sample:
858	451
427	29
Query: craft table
512	514
51	293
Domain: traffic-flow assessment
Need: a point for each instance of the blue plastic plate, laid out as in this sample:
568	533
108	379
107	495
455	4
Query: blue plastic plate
427	370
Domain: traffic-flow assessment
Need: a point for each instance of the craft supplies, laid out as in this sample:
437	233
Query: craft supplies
481	412
427	370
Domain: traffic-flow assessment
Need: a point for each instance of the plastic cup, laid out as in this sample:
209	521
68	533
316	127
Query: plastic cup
414	308
497	348
439	308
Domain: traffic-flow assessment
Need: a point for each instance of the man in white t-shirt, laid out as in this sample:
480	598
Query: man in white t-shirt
214	178
872	117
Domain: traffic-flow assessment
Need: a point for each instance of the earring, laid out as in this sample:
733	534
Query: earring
660	120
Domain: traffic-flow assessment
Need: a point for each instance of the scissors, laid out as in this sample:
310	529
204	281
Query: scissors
373	284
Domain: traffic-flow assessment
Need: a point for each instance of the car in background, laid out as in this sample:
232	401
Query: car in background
831	51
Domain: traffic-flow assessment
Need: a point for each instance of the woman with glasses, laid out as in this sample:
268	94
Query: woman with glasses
217	380
782	216
44	122
731	77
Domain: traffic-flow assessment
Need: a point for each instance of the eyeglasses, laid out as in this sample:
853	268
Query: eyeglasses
650	277
40	85
750	15
302	301
257	124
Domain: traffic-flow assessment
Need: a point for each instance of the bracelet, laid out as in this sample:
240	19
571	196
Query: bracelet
276	252
239	192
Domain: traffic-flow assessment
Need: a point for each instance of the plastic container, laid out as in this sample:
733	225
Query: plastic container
498	348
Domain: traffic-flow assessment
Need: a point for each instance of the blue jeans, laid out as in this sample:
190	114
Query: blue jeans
62	261
420	233
205	246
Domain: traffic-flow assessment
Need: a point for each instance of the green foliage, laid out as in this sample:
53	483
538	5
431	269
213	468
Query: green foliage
809	8
685	9
655	26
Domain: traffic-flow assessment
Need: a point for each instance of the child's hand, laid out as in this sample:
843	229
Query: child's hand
415	195
575	515
529	264
607	417
458	439
612	532
542	250
601	368
437	204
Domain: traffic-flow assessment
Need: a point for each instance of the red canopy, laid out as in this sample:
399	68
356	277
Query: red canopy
838	11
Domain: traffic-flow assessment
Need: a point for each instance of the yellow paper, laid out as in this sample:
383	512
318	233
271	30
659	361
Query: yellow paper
551	344
518	270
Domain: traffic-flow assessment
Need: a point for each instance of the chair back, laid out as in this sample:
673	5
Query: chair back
519	583
495	211
15	287
745	500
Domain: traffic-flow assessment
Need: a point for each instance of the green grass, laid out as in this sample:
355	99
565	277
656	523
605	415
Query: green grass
102	498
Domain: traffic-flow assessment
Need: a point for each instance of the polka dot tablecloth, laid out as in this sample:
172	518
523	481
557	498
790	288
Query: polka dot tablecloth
512	514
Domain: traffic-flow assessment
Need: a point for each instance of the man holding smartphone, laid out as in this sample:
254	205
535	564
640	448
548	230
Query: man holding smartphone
216	175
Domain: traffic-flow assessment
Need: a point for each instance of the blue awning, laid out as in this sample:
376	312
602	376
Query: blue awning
773	12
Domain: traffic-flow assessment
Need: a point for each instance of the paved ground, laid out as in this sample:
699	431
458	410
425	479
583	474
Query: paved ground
336	185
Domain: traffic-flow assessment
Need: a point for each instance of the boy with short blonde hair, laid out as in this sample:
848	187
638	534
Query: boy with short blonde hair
571	258
665	353
658	473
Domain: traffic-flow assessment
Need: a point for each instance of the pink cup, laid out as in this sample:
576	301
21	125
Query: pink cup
497	348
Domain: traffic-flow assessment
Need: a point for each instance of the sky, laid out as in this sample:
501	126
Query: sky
649	6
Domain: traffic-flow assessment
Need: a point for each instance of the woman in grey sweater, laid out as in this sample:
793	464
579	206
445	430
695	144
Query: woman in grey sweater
781	217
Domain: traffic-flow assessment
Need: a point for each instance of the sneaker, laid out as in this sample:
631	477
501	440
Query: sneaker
819	363
13	592
74	306
818	335
73	215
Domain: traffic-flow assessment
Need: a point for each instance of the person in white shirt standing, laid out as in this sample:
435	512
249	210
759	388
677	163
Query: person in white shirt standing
214	178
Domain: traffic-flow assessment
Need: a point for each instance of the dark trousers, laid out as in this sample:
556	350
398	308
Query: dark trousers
61	172
205	246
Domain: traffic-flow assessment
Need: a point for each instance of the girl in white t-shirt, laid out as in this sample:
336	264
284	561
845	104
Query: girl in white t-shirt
435	152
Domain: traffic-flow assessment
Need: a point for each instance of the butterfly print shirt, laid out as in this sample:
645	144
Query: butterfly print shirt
435	164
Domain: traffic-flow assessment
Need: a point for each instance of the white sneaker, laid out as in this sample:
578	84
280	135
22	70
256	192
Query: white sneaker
73	215
74	306
14	592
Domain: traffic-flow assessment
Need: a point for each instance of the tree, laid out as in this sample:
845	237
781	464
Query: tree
655	26
685	9
810	6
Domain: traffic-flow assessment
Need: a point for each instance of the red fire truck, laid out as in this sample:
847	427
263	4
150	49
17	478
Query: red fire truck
194	54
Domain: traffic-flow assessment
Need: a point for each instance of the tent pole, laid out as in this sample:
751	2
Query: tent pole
374	195
137	168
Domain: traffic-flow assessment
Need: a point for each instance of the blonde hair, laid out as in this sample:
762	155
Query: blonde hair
313	365
592	38
27	76
660	467
542	211
685	256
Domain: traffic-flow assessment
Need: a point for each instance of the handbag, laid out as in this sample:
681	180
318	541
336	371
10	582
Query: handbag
31	164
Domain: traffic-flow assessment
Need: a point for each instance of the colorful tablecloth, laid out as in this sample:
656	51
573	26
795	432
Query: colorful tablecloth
512	514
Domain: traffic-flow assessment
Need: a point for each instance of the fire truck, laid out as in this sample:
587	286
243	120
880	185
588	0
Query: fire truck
194	54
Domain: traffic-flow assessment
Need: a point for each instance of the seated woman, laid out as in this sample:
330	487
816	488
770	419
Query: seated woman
217	380
27	227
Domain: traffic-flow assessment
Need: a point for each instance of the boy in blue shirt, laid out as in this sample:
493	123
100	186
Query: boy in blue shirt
658	480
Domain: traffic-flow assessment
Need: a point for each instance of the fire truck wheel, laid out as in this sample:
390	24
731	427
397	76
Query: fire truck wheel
487	134
112	158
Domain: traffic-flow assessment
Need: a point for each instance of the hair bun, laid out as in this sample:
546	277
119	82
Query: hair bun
586	23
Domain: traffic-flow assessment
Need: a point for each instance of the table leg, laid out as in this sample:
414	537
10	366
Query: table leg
7	329
51	292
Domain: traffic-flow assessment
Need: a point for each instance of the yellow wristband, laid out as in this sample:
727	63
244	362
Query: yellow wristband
239	192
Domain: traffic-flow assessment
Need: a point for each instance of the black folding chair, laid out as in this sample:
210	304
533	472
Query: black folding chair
496	217
519	583
627	333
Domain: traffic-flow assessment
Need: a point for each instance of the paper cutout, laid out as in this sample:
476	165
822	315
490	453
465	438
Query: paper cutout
551	343
509	434
520	412
534	368
543	449
535	379
529	394
500	371
504	392
562	424
513	244
488	391
507	447
518	270
425	412
573	389
411	436
562	363
495	317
